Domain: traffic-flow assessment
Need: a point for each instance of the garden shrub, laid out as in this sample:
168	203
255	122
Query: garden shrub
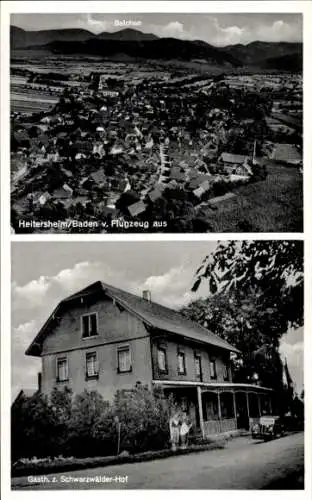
85	425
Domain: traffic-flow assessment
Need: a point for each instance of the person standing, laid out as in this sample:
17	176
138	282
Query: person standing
174	424
184	430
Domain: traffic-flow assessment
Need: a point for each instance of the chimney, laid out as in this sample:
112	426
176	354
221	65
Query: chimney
39	381
146	294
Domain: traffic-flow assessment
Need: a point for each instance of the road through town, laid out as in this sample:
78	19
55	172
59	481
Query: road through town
242	464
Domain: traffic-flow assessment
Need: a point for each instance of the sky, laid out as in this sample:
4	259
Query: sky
44	273
217	29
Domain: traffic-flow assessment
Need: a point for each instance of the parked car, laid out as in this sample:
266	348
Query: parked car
269	427
293	422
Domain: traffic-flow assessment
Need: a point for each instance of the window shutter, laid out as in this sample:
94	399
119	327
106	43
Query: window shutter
85	326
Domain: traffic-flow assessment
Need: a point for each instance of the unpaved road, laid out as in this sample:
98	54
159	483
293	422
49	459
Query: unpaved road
243	464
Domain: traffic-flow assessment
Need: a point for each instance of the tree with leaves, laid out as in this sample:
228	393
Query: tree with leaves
87	408
256	295
144	416
32	421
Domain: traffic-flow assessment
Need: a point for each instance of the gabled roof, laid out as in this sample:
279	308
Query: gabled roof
24	393
155	194
137	208
98	176
197	181
205	185
177	174
82	146
152	314
286	152
21	136
232	158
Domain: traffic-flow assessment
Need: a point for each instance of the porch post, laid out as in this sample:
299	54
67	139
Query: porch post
234	405
200	411
270	404
219	406
235	409
259	404
247	404
219	411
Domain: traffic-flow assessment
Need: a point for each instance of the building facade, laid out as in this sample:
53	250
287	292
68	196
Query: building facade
103	338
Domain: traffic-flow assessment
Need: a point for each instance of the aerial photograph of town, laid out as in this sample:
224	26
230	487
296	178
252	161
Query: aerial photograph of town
168	123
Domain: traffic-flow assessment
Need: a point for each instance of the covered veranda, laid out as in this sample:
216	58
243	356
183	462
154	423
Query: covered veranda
220	407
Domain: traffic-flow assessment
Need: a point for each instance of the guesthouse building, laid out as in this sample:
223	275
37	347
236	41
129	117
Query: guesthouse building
104	338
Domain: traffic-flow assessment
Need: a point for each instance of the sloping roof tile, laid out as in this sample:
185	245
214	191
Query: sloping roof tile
153	314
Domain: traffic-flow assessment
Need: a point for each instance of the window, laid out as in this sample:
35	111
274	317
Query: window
226	373
185	404
89	325
162	359
211	405
62	370
92	368
198	368
227	405
181	363
213	371
124	359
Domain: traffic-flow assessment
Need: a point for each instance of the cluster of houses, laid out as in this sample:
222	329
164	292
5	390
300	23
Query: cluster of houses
99	143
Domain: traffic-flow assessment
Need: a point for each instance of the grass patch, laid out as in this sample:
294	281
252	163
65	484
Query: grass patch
272	205
94	462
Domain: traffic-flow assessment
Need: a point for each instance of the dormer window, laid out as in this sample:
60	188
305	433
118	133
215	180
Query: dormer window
89	325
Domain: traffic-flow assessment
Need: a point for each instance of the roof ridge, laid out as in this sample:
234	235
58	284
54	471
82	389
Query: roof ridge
185	318
171	320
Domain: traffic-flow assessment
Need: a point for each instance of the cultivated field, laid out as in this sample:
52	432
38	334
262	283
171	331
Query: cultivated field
272	205
31	101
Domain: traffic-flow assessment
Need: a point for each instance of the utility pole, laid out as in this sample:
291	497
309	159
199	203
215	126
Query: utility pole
118	428
254	153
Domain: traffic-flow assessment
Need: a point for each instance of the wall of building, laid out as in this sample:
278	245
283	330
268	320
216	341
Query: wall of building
114	325
116	328
109	380
206	353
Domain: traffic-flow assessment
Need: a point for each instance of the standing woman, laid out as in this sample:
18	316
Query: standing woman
184	430
174	424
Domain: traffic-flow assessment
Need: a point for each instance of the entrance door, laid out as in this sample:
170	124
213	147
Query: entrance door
241	410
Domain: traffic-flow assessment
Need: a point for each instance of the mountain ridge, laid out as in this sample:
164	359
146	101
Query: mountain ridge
136	44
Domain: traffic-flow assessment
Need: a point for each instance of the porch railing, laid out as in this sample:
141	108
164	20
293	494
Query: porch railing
219	426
